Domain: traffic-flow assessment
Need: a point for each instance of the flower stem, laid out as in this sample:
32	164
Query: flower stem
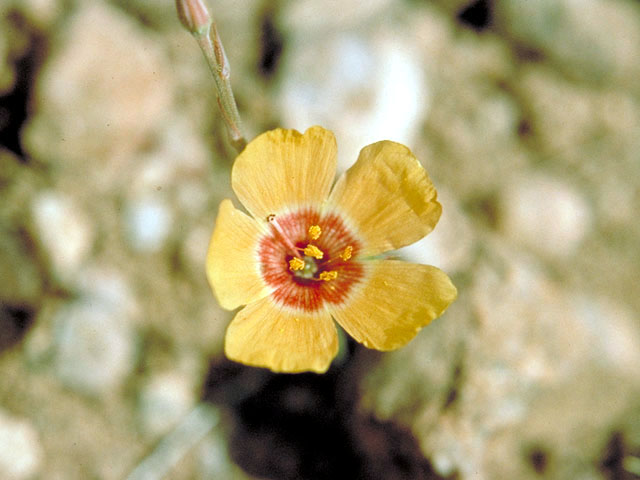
196	19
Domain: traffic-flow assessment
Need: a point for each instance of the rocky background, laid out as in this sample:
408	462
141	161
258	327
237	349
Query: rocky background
113	159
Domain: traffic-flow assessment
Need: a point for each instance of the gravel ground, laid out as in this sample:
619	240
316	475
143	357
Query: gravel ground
114	158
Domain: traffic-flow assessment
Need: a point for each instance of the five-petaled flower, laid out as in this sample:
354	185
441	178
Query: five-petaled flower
310	252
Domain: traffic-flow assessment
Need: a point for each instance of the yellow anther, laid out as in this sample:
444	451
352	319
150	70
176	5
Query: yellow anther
313	251
314	232
330	275
346	255
296	264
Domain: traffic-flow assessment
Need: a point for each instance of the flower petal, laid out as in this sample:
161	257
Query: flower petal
396	301
233	266
388	196
264	335
285	169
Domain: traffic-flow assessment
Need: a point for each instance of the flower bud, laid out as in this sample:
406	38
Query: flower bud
193	15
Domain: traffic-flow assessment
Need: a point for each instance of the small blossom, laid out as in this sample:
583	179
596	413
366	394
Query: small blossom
308	254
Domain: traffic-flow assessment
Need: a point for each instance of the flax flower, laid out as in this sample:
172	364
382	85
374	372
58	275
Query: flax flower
309	254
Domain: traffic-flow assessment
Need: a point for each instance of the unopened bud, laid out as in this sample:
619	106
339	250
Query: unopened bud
193	15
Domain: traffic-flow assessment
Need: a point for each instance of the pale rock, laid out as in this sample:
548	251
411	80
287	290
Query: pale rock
179	155
165	398
563	114
472	124
104	298
616	201
614	332
544	213
518	326
64	230
443	465
21	453
41	13
593	40
109	287
456	55
104	89
489	117
592	131
148	221
310	16
94	341
193	197
195	246
472	134
364	88
183	143
166	178
155	172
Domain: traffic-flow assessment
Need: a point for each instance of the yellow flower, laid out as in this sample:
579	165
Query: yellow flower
294	289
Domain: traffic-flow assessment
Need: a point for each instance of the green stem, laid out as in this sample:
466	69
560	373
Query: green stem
196	19
211	46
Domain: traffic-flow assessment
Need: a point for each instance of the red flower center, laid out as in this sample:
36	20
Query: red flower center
308	259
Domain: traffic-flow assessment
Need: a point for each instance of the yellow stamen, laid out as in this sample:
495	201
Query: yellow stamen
296	264
315	232
313	251
330	275
346	255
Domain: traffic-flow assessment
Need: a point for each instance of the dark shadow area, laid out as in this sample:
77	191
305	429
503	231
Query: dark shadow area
271	42
478	15
538	459
527	54
15	321
485	208
613	458
14	105
308	426
454	386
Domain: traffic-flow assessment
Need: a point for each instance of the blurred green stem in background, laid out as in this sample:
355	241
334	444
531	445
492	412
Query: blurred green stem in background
196	19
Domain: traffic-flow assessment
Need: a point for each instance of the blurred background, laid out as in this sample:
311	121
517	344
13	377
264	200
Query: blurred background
114	158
